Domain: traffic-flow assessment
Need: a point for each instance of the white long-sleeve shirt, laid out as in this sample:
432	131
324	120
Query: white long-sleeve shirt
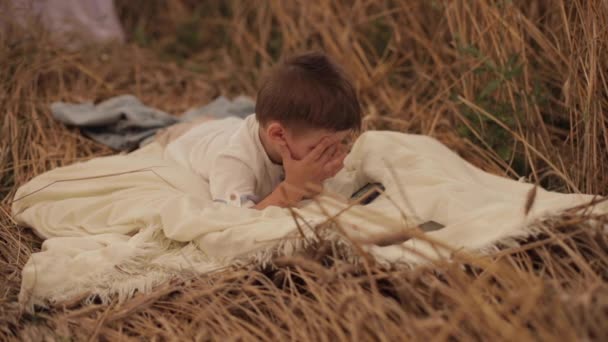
229	154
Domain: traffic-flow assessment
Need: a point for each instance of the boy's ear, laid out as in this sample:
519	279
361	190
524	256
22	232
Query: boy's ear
276	132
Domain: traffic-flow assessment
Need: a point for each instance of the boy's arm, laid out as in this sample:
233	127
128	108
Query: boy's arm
321	163
283	196
231	181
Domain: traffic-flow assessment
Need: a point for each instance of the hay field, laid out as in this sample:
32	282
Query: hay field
519	88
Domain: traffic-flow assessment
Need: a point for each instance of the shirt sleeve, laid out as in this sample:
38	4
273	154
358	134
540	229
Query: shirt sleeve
233	182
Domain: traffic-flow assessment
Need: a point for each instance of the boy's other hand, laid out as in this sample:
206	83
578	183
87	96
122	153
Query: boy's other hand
323	162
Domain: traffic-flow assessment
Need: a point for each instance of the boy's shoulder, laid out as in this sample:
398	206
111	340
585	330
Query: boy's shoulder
245	149
244	145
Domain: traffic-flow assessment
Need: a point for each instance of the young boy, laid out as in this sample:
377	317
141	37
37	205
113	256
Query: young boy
305	108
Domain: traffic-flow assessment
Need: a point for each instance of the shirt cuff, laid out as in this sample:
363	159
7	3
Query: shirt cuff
240	200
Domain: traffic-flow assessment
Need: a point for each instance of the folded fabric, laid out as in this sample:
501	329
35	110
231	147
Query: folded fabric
123	122
125	223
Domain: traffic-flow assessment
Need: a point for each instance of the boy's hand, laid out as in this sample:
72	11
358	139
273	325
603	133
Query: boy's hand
323	162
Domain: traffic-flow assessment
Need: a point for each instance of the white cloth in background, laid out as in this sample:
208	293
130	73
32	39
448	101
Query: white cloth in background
125	223
92	21
229	155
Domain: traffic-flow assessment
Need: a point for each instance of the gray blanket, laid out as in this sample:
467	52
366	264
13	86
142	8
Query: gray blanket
124	123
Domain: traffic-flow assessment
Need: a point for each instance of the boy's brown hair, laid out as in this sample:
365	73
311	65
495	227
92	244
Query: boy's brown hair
309	91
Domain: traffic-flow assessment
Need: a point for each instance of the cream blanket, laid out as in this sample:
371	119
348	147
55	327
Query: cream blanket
119	224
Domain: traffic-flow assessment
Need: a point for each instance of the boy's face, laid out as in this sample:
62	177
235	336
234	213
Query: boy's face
301	143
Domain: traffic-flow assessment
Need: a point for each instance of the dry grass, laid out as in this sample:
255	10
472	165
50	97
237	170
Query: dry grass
517	87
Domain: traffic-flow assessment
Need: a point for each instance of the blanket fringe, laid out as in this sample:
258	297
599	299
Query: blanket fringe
158	259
